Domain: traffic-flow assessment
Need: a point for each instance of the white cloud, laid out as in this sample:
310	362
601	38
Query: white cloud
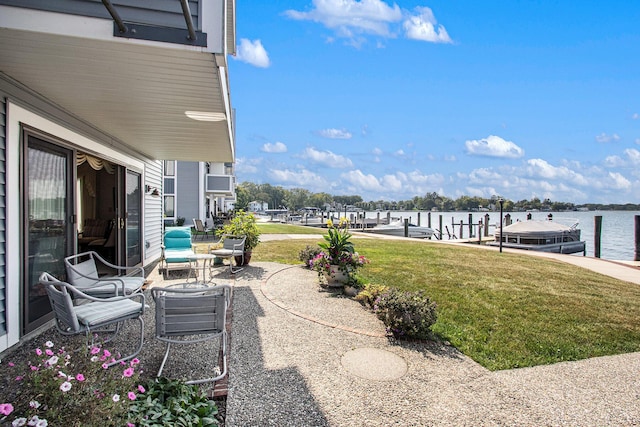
638	141
399	183
631	158
633	155
335	133
244	165
351	19
326	158
252	52
618	182
277	147
635	116
301	178
376	151
422	26
351	16
493	146
604	138
613	161
360	180
541	168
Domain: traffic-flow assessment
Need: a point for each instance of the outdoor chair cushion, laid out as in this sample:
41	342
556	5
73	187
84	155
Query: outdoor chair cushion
96	312
104	287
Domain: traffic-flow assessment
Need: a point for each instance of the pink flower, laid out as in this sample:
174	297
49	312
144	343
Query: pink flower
141	389
19	378
80	377
65	386
48	352
131	425
135	361
12	364
131	395
127	372
105	366
38	352
95	350
107	353
6	408
34	368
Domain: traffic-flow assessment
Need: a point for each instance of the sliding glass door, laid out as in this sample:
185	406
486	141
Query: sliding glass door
48	222
133	208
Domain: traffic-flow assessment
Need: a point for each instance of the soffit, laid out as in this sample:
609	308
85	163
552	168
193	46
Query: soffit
136	93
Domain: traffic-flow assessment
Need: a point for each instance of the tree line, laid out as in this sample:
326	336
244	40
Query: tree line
295	199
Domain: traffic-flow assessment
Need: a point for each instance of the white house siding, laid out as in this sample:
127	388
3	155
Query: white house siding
3	204
153	212
20	106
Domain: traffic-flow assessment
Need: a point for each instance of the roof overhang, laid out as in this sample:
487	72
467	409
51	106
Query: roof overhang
136	92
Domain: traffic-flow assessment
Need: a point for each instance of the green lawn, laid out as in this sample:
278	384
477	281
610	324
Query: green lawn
503	310
275	228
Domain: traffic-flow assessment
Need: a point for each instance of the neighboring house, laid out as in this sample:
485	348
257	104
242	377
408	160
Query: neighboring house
93	97
197	190
256	206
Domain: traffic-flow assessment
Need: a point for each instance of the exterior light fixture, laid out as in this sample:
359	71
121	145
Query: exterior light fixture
152	191
204	116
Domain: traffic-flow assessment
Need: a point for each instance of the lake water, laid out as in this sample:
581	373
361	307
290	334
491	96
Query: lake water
618	232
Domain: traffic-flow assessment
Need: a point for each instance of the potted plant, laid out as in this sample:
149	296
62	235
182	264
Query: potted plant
338	260
340	270
242	224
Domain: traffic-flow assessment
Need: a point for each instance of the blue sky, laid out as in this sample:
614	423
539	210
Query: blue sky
519	99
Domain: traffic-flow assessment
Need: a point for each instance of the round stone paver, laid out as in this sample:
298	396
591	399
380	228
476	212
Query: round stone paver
374	364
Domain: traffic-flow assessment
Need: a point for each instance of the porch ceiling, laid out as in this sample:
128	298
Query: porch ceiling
136	93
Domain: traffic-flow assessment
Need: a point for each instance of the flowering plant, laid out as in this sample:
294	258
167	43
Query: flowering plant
337	239
346	262
56	388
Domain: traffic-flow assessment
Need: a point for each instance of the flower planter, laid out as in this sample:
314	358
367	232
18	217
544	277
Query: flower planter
240	261
336	278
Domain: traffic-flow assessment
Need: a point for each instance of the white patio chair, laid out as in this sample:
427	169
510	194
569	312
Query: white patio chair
187	316
93	316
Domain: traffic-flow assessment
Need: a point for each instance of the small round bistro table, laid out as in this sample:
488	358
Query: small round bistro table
202	263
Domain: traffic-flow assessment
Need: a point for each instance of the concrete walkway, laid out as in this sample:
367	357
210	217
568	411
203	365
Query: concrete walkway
304	356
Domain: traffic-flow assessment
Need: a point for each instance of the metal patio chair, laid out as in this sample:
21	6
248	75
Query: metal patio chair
232	247
201	230
187	316
82	272
94	316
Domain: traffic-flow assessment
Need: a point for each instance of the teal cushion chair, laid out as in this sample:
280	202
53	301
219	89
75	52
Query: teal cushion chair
176	249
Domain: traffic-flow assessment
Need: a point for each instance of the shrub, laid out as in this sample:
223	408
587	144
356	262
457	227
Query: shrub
173	403
369	293
406	314
307	254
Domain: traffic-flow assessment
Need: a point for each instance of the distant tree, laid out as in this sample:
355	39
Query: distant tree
243	197
296	198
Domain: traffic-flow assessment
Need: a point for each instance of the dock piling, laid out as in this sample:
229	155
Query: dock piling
637	239
596	235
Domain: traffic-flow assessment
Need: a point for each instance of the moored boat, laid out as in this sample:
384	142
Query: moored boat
544	236
396	228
